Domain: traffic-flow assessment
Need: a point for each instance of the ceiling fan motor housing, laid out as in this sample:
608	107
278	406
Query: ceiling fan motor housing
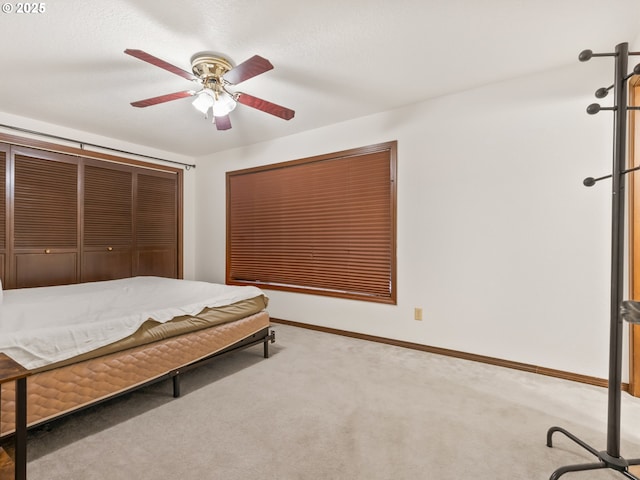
210	69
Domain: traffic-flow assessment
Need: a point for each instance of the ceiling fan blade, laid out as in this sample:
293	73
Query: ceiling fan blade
222	123
248	69
145	57
268	107
163	98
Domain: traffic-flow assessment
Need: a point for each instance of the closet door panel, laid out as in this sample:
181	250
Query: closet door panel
108	222
45	219
106	264
43	270
156	224
157	262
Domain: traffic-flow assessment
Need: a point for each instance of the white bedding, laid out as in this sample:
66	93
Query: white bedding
40	326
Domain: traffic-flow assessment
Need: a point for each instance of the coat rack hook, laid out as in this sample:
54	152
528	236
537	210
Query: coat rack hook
587	55
602	92
595	108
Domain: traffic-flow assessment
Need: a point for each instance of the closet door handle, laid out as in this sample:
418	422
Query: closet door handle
47	250
109	249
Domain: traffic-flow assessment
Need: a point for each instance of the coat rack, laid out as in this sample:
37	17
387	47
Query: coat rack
611	458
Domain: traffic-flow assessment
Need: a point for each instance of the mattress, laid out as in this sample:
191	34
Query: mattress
153	331
45	325
54	392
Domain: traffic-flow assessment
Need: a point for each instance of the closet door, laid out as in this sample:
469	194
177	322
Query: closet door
45	219
108	222
156	220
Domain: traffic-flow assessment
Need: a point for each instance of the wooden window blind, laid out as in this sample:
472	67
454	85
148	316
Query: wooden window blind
323	225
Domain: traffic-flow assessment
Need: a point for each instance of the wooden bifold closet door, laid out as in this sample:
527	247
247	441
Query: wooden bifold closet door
156	201
45	219
108	223
67	219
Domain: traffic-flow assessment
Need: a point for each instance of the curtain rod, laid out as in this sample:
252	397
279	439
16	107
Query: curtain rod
187	166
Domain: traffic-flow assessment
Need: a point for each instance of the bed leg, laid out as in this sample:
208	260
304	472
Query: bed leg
270	338
176	385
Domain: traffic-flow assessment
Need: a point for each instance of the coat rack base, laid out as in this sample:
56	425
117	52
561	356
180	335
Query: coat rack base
618	464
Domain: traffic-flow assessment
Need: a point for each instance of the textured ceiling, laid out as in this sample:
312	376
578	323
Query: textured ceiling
334	60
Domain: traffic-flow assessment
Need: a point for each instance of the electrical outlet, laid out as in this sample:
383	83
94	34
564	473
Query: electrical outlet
417	313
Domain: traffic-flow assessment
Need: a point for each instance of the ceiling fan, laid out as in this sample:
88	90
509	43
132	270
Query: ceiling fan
215	74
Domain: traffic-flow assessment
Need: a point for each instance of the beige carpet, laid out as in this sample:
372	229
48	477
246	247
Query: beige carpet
330	407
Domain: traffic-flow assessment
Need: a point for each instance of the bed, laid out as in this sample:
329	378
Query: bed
89	342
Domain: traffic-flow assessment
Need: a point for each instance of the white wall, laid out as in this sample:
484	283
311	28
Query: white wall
189	176
498	240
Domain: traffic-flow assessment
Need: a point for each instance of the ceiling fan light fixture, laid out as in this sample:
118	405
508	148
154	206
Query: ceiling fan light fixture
214	73
204	100
224	104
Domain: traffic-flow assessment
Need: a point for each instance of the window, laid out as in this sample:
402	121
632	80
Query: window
323	225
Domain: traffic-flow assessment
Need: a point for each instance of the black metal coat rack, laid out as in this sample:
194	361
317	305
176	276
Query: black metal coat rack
611	458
